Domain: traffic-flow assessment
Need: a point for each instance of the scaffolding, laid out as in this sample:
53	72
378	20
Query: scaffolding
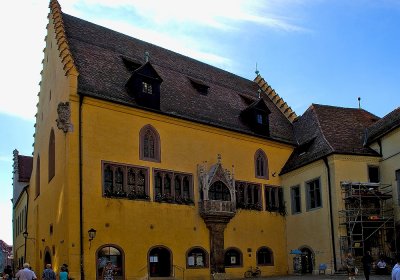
367	219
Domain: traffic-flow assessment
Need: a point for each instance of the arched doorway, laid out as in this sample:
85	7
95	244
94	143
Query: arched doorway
307	260
47	257
160	260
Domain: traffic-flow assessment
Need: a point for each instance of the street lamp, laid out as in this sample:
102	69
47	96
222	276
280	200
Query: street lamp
92	235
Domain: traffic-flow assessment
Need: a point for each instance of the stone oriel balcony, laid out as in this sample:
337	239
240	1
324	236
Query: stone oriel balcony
217	209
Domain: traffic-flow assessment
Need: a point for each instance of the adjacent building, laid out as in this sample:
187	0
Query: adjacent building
22	169
169	167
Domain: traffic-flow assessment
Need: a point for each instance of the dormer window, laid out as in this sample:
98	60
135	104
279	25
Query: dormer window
144	86
256	116
199	86
147	88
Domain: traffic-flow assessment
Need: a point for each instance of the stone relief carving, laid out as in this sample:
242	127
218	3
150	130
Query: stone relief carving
64	117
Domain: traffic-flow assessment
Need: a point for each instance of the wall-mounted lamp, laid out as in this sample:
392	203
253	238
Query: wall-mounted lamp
25	235
92	235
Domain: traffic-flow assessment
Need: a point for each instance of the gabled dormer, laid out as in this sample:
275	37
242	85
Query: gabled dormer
144	86
256	116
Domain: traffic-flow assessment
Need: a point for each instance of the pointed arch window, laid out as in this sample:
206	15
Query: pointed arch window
219	191
52	155
37	179
149	144
261	164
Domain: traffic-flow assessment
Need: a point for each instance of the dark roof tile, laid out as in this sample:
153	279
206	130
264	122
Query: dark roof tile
385	125
323	130
101	55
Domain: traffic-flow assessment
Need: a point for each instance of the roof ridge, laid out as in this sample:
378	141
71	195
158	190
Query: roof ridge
276	99
320	128
61	38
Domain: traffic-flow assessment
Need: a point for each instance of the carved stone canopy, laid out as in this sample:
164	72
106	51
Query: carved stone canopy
216	173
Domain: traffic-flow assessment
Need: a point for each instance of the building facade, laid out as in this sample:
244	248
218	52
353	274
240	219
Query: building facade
169	167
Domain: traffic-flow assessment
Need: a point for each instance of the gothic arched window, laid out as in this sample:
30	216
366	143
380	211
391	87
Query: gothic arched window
150	148
261	164
52	155
219	191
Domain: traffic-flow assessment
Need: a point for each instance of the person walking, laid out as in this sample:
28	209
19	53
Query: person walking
396	269
367	264
351	267
63	273
48	273
26	273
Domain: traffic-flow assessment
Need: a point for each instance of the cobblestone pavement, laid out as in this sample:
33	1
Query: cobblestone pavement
323	277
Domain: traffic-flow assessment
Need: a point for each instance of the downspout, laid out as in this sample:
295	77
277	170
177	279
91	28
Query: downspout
80	187
331	213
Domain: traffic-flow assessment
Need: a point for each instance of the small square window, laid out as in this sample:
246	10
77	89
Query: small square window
147	88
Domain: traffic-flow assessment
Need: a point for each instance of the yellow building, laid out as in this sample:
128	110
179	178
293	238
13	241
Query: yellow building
172	163
169	167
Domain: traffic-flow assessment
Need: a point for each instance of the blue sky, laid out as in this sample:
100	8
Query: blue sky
309	51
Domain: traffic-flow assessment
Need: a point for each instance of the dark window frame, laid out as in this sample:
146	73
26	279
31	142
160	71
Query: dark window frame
274	200
371	177
122	261
129	191
271	256
295	199
261	164
166	191
147	131
204	254
219	191
239	255
313	194
248	195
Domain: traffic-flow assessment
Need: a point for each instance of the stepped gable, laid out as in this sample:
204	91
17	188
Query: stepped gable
385	125
276	99
105	59
323	130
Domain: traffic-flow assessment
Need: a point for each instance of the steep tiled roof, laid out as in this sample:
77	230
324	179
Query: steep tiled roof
99	54
24	168
385	125
324	130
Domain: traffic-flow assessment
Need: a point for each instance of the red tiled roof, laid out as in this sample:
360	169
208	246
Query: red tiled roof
324	130
385	125
99	55
24	168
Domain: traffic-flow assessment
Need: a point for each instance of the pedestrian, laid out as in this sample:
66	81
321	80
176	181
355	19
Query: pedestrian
350	266
26	273
8	271
48	273
108	271
367	264
381	267
63	273
396	269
